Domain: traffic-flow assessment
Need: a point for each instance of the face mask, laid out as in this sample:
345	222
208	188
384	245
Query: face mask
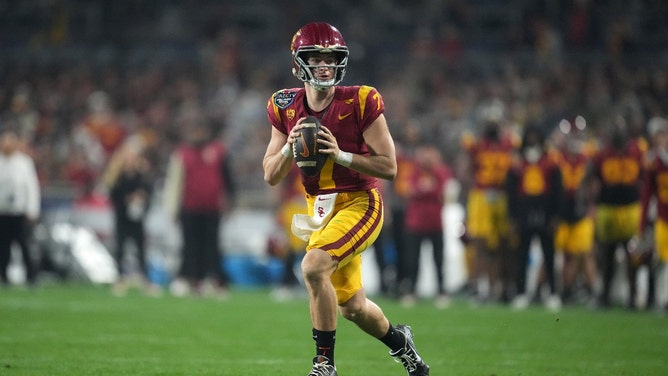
532	154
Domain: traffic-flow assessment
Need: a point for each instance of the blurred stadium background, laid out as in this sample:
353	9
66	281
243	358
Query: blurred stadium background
436	63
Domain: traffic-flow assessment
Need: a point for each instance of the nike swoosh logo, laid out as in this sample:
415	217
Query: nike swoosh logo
341	117
305	153
322	199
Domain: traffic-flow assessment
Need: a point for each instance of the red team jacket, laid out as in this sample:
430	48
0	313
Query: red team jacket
424	209
204	182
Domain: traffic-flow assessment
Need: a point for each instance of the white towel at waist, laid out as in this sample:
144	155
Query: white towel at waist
304	225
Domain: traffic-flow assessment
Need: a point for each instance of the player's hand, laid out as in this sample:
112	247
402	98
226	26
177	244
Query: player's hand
294	132
328	142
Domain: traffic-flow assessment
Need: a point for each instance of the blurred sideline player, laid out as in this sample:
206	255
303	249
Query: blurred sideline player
575	233
397	196
386	270
286	245
618	170
424	221
486	226
534	189
343	199
654	201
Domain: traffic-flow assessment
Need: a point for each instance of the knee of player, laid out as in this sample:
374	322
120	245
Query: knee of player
352	311
317	264
358	307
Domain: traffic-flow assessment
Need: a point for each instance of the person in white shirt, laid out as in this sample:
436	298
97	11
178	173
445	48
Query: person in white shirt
19	202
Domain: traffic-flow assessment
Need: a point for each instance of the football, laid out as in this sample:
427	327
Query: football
305	150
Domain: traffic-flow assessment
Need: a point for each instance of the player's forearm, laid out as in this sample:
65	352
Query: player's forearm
378	166
276	167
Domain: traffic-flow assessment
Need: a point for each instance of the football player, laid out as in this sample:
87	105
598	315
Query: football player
534	189
618	168
575	233
490	157
344	203
655	189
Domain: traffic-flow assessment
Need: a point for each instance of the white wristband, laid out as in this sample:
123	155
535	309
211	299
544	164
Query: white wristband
287	150
344	158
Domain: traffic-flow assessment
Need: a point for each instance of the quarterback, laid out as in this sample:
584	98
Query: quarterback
345	208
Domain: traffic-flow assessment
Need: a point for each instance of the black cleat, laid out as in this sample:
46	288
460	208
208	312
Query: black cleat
408	355
321	367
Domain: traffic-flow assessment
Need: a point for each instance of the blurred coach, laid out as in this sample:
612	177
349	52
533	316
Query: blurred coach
199	188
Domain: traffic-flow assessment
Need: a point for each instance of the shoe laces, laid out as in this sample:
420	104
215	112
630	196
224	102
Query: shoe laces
409	359
408	355
322	369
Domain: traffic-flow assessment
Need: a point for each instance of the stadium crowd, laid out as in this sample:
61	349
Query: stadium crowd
80	79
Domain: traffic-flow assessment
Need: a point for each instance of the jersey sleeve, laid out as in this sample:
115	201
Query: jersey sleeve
371	105
274	112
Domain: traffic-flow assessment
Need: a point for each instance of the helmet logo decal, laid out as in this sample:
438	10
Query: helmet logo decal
292	43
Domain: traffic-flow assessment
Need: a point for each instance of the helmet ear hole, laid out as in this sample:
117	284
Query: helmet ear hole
300	67
301	74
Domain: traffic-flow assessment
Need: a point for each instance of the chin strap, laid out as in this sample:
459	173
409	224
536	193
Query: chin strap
315	85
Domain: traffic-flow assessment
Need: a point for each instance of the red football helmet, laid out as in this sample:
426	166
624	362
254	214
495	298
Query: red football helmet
318	37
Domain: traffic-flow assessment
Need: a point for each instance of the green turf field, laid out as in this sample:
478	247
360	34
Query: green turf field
84	330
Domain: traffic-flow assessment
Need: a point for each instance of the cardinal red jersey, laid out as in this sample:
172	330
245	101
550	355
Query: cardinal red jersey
573	171
620	173
491	161
534	178
655	185
534	185
352	111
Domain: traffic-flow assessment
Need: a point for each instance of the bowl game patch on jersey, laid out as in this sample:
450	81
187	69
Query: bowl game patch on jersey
284	98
